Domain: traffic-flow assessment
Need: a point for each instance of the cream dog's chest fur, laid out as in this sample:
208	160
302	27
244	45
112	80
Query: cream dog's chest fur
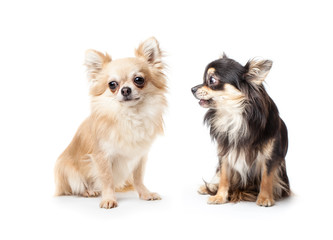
131	134
127	142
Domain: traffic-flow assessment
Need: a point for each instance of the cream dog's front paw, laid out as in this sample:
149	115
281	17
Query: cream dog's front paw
149	196
108	203
90	193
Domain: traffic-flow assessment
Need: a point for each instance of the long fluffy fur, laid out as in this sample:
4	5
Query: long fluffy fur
245	123
117	135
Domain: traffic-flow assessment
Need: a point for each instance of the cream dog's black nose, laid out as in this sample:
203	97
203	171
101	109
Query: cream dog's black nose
126	91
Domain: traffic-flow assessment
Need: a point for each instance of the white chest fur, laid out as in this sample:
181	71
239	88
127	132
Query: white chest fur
230	122
238	163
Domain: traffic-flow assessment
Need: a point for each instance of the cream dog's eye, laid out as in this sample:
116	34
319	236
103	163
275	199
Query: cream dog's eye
139	81
113	85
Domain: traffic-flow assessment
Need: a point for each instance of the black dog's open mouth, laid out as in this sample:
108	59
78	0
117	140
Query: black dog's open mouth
205	103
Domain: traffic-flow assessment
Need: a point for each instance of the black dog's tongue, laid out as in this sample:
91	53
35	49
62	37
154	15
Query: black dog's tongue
204	103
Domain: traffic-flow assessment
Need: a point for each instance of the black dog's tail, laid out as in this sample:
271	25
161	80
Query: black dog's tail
251	191
210	191
243	195
236	195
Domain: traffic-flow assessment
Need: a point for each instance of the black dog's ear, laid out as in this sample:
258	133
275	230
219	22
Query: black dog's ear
223	55
257	70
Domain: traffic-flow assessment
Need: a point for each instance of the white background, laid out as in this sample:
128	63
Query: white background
44	98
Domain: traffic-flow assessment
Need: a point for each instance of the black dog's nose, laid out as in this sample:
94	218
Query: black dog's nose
194	89
126	91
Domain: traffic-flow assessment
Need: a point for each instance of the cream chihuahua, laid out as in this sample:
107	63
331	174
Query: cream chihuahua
109	150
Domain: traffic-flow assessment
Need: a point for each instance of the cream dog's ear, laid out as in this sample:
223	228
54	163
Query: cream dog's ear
150	51
257	70
94	62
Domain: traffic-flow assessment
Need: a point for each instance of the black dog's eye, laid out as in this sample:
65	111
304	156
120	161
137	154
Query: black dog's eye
113	85
139	81
212	81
